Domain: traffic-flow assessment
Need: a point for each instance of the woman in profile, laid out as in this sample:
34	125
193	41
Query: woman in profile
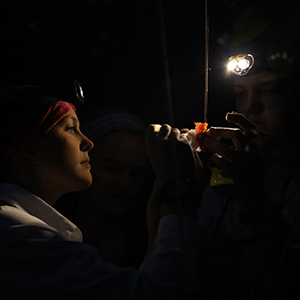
112	213
43	156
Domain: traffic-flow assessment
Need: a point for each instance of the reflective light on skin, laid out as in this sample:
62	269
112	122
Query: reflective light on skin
62	159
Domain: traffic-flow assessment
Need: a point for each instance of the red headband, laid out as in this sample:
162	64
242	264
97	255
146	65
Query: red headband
29	134
55	113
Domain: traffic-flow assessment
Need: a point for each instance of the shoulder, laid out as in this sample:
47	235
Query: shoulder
17	224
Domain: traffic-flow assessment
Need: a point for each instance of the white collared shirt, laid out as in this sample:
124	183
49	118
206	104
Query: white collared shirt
41	257
27	210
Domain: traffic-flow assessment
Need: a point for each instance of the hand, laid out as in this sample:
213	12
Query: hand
255	141
230	157
246	168
169	156
224	154
239	119
245	159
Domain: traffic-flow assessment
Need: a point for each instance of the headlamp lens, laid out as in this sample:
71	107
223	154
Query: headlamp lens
78	92
240	64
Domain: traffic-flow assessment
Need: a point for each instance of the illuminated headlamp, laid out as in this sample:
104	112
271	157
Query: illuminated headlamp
240	64
78	92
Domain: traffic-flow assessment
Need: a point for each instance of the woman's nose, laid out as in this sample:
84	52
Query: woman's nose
252	104
86	144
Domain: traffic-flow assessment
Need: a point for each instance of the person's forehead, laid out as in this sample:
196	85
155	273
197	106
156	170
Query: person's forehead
261	78
70	115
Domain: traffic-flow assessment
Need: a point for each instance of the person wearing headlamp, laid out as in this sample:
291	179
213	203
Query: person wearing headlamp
257	217
44	155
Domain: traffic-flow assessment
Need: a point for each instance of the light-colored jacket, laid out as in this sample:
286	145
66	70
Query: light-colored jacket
42	257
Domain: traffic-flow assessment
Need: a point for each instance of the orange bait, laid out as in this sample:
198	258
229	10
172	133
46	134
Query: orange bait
200	128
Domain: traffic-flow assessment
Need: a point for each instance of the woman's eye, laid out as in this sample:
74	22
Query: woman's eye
271	89
71	129
269	92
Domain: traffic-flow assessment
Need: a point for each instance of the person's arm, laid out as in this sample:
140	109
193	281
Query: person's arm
178	172
171	210
242	161
54	268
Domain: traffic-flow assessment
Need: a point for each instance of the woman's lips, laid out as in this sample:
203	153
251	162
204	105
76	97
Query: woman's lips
86	163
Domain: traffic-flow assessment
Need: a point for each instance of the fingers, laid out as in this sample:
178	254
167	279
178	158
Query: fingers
161	132
167	132
174	134
168	154
155	127
240	120
158	135
184	130
233	134
220	148
151	134
164	131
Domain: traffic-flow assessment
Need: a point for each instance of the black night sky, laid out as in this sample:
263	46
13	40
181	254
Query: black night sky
115	48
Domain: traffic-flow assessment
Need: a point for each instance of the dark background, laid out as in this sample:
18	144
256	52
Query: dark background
116	49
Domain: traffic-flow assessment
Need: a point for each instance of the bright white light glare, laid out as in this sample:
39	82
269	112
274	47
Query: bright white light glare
240	64
231	65
243	64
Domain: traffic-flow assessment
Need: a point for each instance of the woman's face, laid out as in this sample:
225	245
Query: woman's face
119	164
61	156
264	100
